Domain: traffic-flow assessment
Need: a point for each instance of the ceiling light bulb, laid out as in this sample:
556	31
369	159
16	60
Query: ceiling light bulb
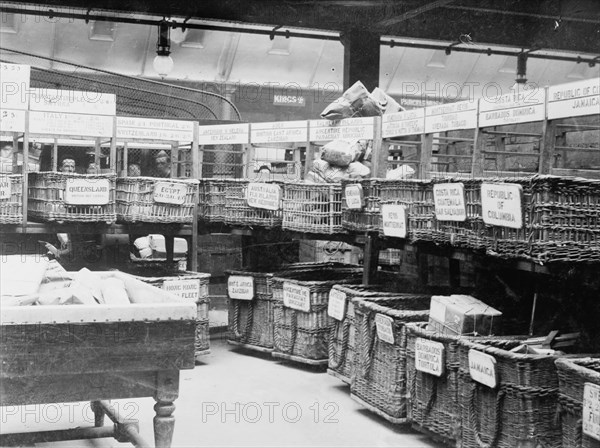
163	65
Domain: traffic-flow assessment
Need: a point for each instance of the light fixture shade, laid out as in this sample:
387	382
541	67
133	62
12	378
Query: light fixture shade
163	65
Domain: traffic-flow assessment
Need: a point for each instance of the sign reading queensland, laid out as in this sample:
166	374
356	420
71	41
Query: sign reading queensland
279	132
449	199
408	122
87	191
574	99
267	196
240	287
348	128
501	205
153	129
515	107
56	123
482	368
429	356
394	220
170	193
73	101
14	86
451	117
336	306
224	134
12	120
184	288
296	297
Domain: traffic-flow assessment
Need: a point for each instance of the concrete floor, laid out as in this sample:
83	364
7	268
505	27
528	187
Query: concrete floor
237	398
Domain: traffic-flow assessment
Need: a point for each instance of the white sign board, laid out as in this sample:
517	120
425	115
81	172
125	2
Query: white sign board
53	123
336	306
5	188
14	86
409	122
501	205
451	117
184	288
354	196
154	129
385	328
429	356
348	128
224	134
73	101
170	193
12	120
517	107
279	132
449	200
591	410
240	287
81	191
296	297
482	368
267	196
574	99
394	220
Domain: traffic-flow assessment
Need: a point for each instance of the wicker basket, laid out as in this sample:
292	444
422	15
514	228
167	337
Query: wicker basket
572	376
158	278
434	407
379	380
343	333
390	257
238	212
565	219
136	200
303	336
47	198
521	410
11	207
367	219
312	208
212	199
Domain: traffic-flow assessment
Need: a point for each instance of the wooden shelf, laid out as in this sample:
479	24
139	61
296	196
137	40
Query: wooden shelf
99	228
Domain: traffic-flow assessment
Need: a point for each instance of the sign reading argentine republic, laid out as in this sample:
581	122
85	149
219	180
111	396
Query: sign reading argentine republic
279	132
398	124
516	107
296	296
87	191
501	205
574	99
429	356
348	128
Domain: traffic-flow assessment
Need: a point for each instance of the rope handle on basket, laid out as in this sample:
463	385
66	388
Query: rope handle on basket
333	363
236	319
497	422
368	344
560	410
294	332
432	396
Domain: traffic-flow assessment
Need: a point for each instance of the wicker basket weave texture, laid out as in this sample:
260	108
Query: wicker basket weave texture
238	212
47	198
572	376
212	199
312	208
522	408
11	207
379	377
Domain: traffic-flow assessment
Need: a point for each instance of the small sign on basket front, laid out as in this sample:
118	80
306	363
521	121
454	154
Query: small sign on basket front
385	328
296	297
394	220
591	410
501	205
482	368
429	356
336	307
87	191
4	187
240	287
184	288
267	196
354	196
449	202
170	193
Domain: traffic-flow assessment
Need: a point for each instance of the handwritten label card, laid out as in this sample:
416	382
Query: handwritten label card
87	191
155	129
224	134
429	356
482	368
184	288
501	205
451	117
296	297
54	123
279	132
385	328
354	196
170	193
394	219
449	202
408	122
267	196
5	188
348	128
516	107
574	99
336	306
591	410
240	287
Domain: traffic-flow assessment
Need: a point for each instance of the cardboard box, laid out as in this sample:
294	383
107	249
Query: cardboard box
462	315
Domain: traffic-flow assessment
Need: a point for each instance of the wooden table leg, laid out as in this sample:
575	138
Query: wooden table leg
167	391
98	414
